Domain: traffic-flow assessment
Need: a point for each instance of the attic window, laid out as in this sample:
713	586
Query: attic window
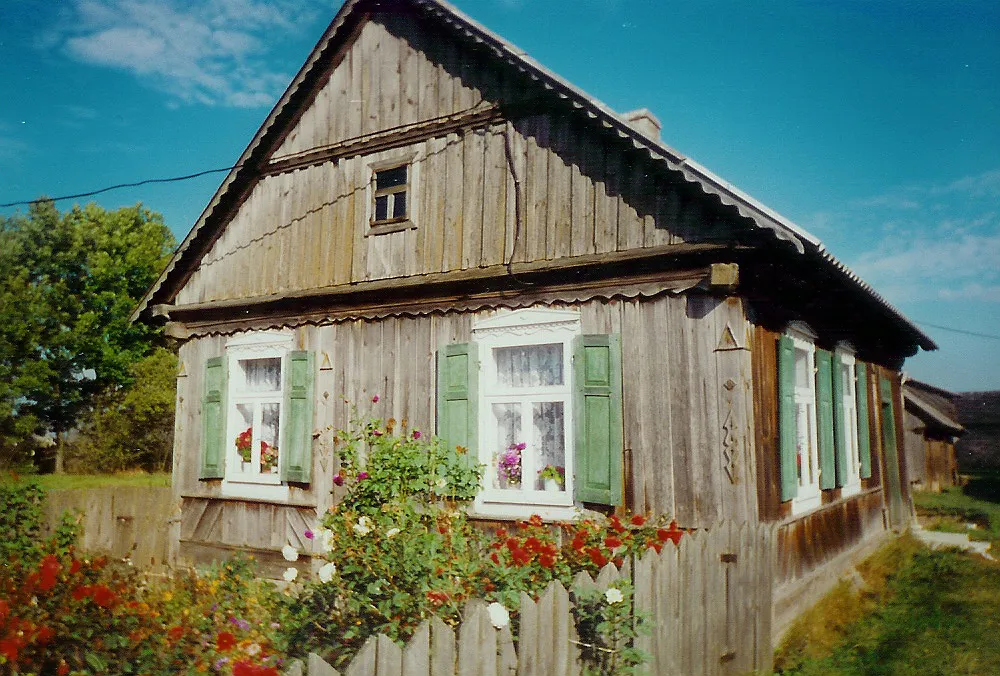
391	204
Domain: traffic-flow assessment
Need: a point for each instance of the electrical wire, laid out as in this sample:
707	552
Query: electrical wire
962	331
119	186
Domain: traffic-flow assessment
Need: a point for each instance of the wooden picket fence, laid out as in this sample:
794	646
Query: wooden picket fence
709	600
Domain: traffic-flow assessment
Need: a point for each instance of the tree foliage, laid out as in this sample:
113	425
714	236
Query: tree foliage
68	283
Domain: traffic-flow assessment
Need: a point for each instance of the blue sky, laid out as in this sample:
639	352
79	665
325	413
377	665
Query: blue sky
874	125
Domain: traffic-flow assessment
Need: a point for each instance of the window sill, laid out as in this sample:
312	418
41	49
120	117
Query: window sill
507	510
261	501
264	491
821	508
386	227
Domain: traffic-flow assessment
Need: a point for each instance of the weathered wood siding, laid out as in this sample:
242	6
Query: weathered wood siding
306	227
688	440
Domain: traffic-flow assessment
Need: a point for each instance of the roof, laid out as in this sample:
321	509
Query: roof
212	219
917	401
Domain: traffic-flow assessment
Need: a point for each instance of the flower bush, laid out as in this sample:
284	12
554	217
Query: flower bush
608	625
62	614
400	547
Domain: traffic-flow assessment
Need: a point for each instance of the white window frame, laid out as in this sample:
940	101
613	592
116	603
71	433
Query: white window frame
254	345
852	486
529	326
808	496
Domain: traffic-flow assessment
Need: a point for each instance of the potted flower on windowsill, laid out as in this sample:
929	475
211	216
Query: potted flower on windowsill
553	477
509	466
268	457
244	440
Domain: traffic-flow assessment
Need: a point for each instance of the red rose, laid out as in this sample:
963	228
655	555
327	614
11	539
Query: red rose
638	520
597	557
546	561
81	592
175	632
44	635
104	597
611	542
532	544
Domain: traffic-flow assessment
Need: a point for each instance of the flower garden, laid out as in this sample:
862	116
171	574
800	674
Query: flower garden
396	550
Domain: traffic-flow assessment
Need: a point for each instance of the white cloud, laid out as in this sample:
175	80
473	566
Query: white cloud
213	52
944	246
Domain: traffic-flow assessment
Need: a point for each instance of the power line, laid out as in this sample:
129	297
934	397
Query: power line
172	179
948	328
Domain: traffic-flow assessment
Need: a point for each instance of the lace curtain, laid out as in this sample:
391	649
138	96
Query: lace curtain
529	365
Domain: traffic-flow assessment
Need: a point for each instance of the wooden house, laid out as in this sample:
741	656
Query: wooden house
430	216
931	428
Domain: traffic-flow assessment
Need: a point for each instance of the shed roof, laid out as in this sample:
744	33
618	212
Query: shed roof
213	218
918	403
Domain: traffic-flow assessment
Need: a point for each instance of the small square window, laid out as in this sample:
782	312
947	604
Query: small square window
390	204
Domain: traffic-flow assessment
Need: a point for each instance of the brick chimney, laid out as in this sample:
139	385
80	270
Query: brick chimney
644	121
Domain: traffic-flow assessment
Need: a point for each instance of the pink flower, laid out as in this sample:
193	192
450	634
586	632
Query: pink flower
362	476
309	534
375	399
416	434
338	480
521	446
377	433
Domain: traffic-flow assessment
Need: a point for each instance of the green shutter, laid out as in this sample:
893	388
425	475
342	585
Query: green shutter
296	448
458	397
213	420
787	430
840	425
864	440
597	415
824	420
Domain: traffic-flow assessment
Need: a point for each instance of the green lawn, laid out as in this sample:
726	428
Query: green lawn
920	612
60	481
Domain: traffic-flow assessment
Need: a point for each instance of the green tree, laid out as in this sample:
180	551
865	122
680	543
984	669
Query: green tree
68	283
132	426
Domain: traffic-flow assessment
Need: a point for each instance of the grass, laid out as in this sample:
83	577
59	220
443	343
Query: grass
912	611
52	482
978	501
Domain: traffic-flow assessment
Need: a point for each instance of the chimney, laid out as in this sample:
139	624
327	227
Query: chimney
644	121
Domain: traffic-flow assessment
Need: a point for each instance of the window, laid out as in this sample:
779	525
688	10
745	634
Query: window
391	194
799	435
845	400
257	416
539	404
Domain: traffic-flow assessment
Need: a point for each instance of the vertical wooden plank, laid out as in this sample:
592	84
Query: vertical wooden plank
363	663
388	657
477	648
390	86
583	188
339	87
536	189
453	216
495	179
442	643
357	87
528	638
436	177
416	654
606	201
473	197
559	214
409	73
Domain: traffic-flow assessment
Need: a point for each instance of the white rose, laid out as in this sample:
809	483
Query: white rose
327	571
290	574
290	553
327	540
499	617
392	532
613	596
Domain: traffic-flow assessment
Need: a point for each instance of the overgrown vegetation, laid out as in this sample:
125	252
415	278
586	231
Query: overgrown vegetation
917	611
68	283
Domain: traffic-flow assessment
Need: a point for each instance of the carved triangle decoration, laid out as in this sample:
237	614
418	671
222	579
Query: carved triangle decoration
727	341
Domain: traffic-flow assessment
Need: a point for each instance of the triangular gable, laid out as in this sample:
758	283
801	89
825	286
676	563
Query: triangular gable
310	79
